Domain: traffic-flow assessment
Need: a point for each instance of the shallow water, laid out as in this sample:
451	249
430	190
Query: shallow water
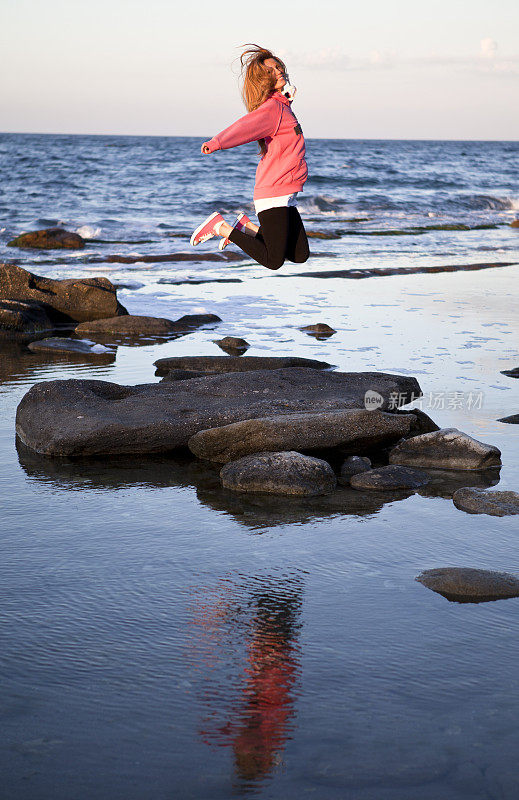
165	638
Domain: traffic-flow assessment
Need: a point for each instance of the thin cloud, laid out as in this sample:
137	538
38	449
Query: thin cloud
486	61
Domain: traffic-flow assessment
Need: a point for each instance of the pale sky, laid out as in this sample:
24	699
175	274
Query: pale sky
396	69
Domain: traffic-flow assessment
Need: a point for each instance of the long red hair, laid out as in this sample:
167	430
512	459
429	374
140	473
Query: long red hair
258	80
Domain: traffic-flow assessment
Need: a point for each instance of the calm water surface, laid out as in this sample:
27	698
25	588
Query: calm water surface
163	638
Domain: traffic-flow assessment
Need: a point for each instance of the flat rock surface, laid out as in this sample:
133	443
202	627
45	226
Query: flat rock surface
466	585
312	431
218	364
132	323
287	473
65	345
84	417
447	448
70	300
390	477
480	501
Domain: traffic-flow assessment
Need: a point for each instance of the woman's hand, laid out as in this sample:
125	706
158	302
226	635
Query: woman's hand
205	149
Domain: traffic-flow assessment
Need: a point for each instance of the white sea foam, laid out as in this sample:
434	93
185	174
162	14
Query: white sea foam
88	232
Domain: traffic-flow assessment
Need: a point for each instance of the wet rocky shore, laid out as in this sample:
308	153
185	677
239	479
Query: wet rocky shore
284	427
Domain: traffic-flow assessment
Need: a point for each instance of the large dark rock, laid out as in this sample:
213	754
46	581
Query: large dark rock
467	585
49	239
513	419
479	501
18	318
287	473
135	324
70	300
82	417
512	373
447	448
390	477
321	430
219	364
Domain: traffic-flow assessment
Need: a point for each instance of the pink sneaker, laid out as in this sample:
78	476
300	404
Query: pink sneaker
206	230
240	224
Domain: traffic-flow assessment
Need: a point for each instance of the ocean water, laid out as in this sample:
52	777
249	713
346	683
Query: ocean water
164	638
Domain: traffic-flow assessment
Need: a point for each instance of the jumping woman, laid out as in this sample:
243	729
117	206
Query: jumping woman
281	172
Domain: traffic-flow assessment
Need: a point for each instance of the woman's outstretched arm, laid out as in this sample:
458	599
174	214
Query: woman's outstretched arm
258	124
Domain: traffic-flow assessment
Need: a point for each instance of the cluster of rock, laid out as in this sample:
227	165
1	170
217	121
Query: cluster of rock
285	426
31	304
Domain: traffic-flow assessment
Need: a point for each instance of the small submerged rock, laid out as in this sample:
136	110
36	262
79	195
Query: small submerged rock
512	373
481	501
64	345
286	473
353	465
513	419
468	585
320	330
118	258
390	477
232	344
323	235
447	448
49	239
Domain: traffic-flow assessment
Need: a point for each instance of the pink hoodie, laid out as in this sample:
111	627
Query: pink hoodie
282	170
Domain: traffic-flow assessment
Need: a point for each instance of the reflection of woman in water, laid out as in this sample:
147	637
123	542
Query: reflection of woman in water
281	172
257	725
270	676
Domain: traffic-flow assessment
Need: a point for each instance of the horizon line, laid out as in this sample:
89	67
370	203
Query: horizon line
308	138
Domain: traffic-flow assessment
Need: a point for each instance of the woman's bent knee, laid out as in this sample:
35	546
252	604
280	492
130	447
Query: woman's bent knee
302	256
275	264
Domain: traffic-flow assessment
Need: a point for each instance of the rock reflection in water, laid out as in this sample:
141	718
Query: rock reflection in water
246	654
444	482
253	511
18	362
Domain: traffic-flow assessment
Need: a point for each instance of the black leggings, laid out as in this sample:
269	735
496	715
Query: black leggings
281	235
